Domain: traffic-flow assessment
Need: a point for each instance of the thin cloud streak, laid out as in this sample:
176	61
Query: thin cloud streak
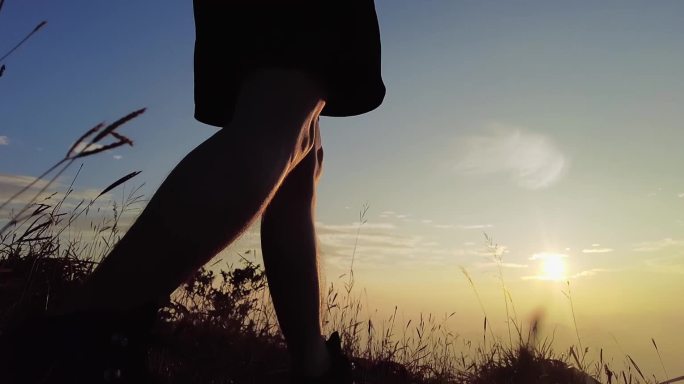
379	246
353	226
669	264
658	245
583	274
503	265
598	250
476	226
546	255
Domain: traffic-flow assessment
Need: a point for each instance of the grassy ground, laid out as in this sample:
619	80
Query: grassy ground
220	327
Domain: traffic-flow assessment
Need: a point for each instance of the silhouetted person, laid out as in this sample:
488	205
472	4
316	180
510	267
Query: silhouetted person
264	72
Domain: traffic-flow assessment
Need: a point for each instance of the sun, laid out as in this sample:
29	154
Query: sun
553	266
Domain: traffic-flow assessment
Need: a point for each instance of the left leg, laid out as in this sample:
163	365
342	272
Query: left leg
288	242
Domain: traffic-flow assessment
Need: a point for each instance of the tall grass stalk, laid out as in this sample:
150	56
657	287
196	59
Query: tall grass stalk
22	41
91	147
465	273
660	358
497	254
580	361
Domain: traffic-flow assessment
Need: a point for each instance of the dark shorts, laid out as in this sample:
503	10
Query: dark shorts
336	41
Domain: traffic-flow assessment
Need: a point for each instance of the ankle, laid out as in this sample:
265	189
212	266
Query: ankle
314	362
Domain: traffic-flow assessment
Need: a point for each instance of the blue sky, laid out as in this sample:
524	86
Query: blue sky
553	126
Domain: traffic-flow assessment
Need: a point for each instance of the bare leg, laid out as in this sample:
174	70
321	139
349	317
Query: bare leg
288	243
213	194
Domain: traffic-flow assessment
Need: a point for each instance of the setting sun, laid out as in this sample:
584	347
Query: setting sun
553	266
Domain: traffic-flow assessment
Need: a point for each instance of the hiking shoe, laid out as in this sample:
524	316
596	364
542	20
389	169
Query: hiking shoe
84	347
340	371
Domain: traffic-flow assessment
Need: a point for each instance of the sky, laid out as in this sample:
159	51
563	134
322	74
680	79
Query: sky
554	128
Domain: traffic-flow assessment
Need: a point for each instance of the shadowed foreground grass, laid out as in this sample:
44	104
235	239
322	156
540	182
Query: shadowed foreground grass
220	327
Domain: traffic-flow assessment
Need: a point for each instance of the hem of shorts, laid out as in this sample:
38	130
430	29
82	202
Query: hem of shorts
329	110
209	120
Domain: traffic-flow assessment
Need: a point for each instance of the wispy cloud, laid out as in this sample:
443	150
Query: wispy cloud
4	140
658	245
69	200
444	226
670	264
457	226
475	226
379	245
597	250
18	181
395	215
532	160
589	272
353	226
10	184
680	195
117	157
503	265
578	275
547	255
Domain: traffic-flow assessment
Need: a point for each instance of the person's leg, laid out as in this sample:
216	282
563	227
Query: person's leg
213	194
288	243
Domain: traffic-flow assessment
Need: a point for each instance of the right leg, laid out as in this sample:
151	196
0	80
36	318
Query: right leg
213	195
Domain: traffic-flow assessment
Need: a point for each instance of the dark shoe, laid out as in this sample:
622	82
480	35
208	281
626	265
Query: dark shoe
340	371
85	347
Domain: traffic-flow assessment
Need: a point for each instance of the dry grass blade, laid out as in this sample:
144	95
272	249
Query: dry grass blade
660	358
19	44
122	138
111	127
118	182
107	131
83	137
103	148
574	356
675	380
634	364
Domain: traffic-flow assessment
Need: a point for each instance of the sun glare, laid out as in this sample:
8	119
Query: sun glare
553	267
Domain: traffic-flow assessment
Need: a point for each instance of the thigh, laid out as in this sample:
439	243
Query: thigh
298	189
278	109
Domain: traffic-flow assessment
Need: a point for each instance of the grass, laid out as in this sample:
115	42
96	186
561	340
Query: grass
220	326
